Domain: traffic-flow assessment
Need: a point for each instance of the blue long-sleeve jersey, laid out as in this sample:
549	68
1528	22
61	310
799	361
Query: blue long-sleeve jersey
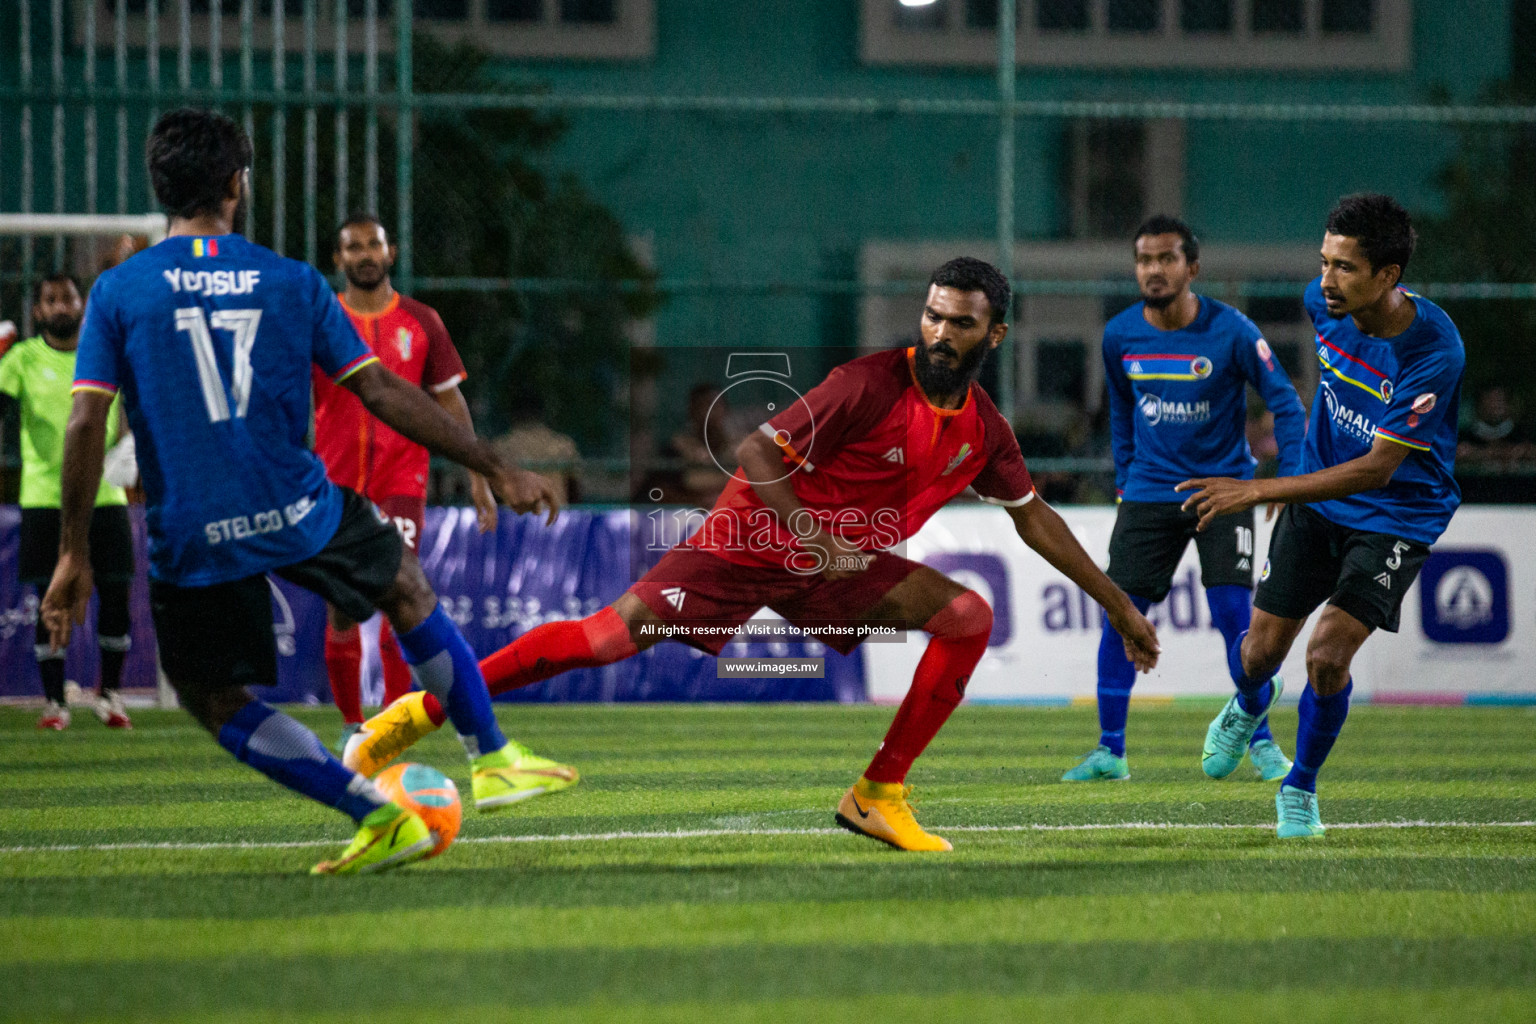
1177	404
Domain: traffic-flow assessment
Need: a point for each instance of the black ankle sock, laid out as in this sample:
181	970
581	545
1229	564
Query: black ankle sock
52	671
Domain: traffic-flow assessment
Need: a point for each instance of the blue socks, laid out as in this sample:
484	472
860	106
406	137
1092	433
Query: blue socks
287	753
449	671
1116	677
1321	720
1253	695
1231	610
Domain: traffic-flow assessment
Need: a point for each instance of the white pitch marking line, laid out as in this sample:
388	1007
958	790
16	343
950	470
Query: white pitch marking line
590	837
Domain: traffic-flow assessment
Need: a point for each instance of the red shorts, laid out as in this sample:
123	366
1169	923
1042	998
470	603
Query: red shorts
408	514
712	597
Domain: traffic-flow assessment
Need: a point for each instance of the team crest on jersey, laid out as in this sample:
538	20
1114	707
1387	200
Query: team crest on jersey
1265	574
1386	391
1200	367
403	342
954	463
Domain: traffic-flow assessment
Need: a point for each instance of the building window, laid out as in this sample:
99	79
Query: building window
1279	16
1116	173
1061	15
1106	168
1205	15
1320	35
1133	15
554	29
514	10
981	14
1347	16
589	12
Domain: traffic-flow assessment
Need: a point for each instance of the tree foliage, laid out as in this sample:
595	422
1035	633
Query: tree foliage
1486	233
486	206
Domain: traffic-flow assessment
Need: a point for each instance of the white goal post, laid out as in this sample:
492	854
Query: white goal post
152	225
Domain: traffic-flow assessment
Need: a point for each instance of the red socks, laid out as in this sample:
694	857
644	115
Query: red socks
555	647
397	674
960	633
343	664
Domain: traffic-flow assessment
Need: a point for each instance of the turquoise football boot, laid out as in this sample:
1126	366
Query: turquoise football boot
1269	760
1226	741
1296	811
1098	764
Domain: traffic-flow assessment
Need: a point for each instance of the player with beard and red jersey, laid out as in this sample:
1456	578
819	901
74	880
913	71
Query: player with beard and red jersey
360	452
824	489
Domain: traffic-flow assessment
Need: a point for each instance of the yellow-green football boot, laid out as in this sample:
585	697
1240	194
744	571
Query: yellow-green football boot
389	837
515	773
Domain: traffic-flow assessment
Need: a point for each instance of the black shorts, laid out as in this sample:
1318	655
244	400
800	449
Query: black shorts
1313	559
358	564
221	635
111	539
1150	537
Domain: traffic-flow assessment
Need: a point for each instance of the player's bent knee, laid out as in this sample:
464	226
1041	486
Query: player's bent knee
967	615
211	707
1328	667
410	599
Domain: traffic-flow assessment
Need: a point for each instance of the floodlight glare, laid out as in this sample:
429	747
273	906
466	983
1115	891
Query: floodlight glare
917	3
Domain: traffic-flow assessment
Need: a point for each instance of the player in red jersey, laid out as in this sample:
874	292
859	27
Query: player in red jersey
824	488
362	453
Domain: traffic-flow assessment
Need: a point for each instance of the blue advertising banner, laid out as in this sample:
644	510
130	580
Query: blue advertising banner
496	586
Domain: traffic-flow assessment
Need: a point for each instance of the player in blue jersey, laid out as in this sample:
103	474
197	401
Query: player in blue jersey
209	338
1376	492
1178	364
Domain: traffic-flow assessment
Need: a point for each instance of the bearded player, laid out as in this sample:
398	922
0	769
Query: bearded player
803	527
1377	491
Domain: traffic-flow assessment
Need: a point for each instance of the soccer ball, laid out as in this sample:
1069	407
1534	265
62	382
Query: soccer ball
429	793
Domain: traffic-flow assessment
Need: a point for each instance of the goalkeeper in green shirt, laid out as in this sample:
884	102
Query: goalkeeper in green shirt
35	380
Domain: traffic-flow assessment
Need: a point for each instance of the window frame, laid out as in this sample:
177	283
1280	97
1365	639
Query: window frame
632	35
1387	47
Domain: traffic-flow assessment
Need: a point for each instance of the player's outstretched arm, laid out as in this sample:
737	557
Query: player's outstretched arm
763	464
452	399
414	414
85	443
1217	496
1047	533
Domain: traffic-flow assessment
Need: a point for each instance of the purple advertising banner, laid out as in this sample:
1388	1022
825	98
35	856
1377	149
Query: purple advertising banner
496	586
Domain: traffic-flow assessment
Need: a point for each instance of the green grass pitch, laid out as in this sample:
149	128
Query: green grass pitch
696	875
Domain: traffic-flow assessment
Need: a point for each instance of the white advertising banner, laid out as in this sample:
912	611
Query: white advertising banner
1475	637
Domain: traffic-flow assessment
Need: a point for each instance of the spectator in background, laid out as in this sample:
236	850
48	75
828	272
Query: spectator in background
530	443
1260	431
711	428
36	376
1493	438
